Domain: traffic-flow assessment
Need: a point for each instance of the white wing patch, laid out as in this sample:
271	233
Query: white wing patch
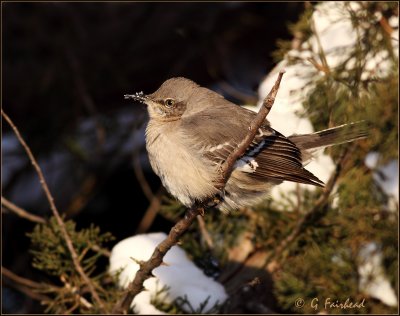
257	149
246	164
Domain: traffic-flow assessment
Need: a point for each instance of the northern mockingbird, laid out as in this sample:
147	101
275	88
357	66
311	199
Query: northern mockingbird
192	130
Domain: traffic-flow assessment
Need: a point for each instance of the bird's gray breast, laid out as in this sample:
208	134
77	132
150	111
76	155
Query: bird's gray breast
181	167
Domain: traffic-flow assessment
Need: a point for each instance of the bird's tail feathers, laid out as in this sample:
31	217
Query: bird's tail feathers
332	136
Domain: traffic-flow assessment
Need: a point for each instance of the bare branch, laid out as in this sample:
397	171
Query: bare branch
20	280
385	25
72	289
26	286
21	212
241	148
321	51
204	233
82	197
104	252
156	259
136	286
151	212
56	214
137	168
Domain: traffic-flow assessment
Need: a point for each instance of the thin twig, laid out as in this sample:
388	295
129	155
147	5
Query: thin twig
20	280
137	168
82	197
73	289
26	286
321	51
317	65
154	199
385	25
21	212
298	197
103	251
146	268
56	214
204	233
151	212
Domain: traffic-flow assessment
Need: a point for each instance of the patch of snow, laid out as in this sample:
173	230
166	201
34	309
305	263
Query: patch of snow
61	168
390	180
13	160
284	117
337	37
179	274
371	160
386	176
372	277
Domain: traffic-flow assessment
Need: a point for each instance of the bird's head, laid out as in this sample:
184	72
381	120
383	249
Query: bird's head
170	101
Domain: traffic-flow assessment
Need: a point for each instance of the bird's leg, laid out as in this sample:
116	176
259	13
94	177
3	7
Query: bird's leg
216	199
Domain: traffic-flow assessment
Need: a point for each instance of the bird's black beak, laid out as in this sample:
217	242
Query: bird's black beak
138	96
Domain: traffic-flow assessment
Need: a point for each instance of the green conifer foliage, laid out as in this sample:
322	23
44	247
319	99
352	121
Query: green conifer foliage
67	293
322	259
324	262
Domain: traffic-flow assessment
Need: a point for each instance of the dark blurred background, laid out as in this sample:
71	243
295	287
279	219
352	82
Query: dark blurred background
65	69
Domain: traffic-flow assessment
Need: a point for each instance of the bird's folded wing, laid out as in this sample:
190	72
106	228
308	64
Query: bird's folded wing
270	157
279	159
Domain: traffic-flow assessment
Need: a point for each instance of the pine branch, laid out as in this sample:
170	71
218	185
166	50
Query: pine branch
56	214
310	215
146	268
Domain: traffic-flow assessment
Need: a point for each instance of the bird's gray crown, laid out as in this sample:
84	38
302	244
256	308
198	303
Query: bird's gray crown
178	88
177	97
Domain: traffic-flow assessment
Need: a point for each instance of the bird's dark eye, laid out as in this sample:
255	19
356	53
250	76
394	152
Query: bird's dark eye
169	102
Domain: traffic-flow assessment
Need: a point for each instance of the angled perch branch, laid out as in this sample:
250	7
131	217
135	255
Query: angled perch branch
146	268
241	148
